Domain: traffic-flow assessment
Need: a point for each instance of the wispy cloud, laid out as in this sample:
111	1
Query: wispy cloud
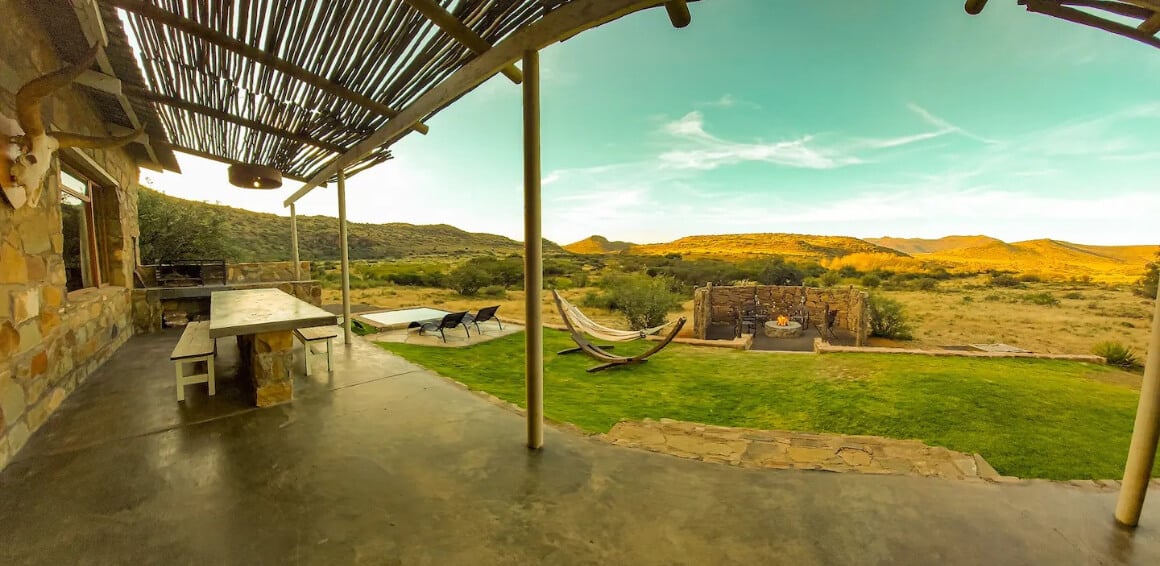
945	126
728	101
807	152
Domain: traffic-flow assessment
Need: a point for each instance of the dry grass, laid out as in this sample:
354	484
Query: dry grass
941	318
946	318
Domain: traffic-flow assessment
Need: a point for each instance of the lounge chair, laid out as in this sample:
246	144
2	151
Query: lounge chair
485	314
450	321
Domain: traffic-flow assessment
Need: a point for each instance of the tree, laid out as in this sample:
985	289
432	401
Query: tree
171	231
1147	284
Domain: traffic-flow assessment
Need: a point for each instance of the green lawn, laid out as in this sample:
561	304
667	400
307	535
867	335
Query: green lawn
1029	418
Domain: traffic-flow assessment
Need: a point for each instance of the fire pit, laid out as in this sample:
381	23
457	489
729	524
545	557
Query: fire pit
783	327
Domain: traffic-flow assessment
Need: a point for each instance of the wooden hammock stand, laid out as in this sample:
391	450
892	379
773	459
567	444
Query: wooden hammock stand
601	354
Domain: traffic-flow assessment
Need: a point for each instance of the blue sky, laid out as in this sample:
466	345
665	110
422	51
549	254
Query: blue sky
901	118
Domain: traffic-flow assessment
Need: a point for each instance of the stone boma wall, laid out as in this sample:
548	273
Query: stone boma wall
714	305
51	340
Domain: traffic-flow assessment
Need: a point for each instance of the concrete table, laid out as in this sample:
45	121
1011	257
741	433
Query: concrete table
791	329
264	321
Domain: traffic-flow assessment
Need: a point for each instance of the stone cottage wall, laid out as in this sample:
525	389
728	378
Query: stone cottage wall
719	305
51	340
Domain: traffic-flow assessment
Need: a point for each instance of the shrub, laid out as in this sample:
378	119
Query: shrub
926	284
493	292
1043	299
1005	281
1074	295
645	301
887	319
1127	324
831	278
560	283
596	300
1147	284
1030	278
848	271
1116	354
468	279
968	299
871	281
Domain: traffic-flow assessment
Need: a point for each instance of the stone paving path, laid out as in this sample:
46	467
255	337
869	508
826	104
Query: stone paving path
796	450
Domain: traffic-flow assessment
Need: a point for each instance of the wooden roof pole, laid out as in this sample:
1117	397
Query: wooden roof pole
559	24
1086	19
678	13
1151	25
149	11
533	256
148	95
463	34
218	158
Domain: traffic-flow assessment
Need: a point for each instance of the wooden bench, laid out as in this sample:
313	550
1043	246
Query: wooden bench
311	338
195	346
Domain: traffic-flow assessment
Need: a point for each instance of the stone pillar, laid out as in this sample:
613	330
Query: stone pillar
266	358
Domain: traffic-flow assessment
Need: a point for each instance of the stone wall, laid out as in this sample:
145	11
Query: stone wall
265	272
720	305
51	340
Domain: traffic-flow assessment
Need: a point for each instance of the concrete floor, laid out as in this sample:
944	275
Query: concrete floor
384	463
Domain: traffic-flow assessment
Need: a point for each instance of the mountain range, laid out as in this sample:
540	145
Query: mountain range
1049	258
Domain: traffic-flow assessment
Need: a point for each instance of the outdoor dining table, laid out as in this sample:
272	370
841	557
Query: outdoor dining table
264	321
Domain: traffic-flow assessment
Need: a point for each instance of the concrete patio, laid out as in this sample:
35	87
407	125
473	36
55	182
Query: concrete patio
386	463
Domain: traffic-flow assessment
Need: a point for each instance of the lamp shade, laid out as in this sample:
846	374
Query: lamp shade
255	177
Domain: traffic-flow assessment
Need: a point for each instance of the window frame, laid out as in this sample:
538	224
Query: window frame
93	276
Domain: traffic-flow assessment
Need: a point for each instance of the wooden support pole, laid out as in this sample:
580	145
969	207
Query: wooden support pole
1145	434
215	37
344	251
294	243
533	254
678	13
463	34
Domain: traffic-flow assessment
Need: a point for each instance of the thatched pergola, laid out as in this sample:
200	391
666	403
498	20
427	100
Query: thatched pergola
320	89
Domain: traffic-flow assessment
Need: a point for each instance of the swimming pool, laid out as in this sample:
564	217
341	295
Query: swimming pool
390	320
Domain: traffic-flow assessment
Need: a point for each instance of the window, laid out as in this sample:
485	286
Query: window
81	256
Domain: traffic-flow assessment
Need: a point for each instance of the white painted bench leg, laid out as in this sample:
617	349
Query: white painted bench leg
212	384
306	356
330	355
178	365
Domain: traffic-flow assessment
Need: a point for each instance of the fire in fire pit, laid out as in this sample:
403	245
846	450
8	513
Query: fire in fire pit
782	320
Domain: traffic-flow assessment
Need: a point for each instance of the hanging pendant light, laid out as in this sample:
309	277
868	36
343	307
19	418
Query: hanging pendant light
255	176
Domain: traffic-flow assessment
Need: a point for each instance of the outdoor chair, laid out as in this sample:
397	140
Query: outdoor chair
450	321
485	314
826	329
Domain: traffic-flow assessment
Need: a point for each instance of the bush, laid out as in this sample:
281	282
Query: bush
645	301
887	319
1030	278
1116	354
926	284
871	281
1074	295
493	292
1146	286
1043	299
968	299
1005	281
831	278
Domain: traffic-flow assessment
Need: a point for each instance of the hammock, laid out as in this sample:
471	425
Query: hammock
592	328
601	353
